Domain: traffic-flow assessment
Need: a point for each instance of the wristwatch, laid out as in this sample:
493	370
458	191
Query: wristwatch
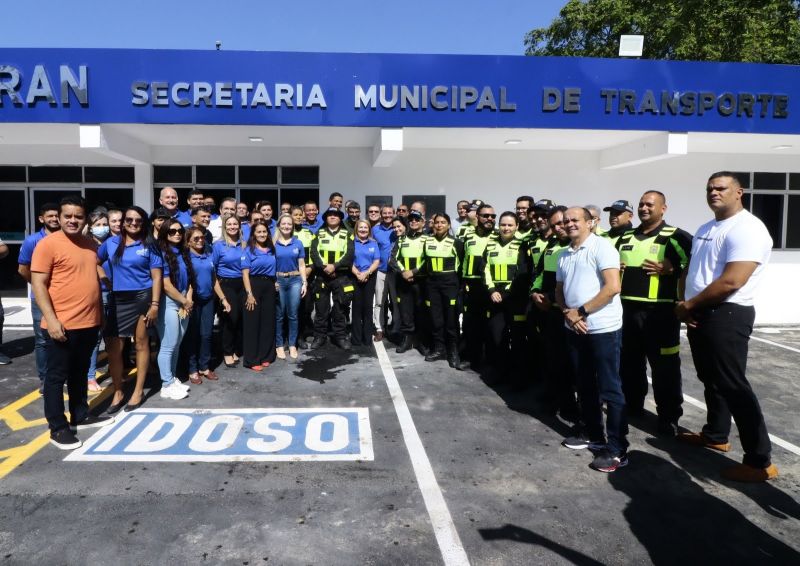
582	311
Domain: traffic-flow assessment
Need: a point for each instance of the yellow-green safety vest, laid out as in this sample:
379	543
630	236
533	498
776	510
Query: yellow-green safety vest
332	247
637	285
411	251
501	263
306	238
441	255
474	246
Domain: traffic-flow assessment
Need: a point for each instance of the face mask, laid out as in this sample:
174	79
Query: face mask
100	232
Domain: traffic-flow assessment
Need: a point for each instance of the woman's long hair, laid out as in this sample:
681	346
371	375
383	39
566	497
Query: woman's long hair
124	231
165	247
225	237
251	242
278	225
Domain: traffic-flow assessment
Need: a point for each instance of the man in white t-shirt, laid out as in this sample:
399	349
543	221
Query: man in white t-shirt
587	290
728	257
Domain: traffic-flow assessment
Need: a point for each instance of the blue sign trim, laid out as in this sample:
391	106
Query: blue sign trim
89	86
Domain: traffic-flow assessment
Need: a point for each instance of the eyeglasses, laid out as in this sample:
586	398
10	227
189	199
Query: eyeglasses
174	231
129	220
489	216
197	239
415	219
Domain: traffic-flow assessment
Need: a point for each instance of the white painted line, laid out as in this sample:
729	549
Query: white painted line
447	537
775	439
771	343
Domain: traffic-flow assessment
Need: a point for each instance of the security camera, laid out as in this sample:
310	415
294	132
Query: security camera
218	43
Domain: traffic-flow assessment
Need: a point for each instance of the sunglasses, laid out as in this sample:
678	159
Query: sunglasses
489	216
373	211
174	231
129	220
197	239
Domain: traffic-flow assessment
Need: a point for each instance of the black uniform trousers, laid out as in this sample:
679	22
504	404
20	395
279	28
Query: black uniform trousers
332	301
305	326
413	315
361	325
506	348
719	349
68	362
559	376
233	289
259	323
476	303
651	333
442	299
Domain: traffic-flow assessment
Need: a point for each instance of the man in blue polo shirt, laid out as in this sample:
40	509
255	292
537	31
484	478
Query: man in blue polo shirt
313	220
383	232
48	218
587	290
194	200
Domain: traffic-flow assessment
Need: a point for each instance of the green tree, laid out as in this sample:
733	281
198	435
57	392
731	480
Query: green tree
765	31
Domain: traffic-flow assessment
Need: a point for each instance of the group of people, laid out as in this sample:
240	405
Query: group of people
541	292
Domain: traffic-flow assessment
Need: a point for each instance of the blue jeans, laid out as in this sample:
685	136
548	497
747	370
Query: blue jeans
595	359
198	335
40	340
171	329
93	360
288	306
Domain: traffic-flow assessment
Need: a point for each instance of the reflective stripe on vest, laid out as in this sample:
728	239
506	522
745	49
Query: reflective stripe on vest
306	237
441	254
332	248
637	285
474	246
501	262
410	252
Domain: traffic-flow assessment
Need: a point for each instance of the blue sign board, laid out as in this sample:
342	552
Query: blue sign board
224	435
91	86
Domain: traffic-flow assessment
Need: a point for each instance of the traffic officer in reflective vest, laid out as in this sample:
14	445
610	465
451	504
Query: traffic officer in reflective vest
652	258
560	396
537	242
620	214
443	257
332	255
408	260
472	220
476	299
306	237
507	273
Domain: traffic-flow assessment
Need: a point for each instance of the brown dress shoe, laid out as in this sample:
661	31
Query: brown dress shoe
745	473
195	378
210	375
378	336
700	439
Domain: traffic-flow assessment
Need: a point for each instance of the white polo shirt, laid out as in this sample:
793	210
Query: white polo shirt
581	272
742	237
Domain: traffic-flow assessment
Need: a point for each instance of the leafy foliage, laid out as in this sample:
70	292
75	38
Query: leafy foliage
766	31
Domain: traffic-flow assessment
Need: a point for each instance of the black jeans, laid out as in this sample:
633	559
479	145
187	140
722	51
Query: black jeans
476	305
362	326
231	322
651	333
506	344
442	297
197	342
68	362
719	350
595	359
259	323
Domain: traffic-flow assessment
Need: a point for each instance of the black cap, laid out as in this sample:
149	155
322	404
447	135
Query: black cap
333	210
544	204
416	215
475	204
619	206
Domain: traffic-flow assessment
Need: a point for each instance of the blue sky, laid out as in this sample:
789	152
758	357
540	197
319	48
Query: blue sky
492	27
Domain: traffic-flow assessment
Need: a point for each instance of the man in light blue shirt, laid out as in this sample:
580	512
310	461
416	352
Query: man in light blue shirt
587	290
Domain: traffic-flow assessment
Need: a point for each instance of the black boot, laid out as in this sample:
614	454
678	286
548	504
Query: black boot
405	345
342	343
435	355
319	342
455	361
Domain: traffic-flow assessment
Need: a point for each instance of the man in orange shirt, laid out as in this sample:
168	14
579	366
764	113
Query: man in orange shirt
67	290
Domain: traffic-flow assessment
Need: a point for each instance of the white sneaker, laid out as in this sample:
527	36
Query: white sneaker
185	386
174	391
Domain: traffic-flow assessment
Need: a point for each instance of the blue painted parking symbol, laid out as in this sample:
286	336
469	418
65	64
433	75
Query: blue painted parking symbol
218	435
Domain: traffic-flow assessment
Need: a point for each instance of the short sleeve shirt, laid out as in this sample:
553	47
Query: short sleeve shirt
581	272
386	237
28	245
74	287
261	263
288	255
183	273
228	259
742	237
203	266
132	271
365	253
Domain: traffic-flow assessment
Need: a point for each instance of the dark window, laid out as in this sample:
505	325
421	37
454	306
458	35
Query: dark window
252	196
769	208
794	181
300	175
215	174
743	178
218	195
793	228
109	198
108	174
50	174
172	174
379	200
298	197
12	174
769	181
12	215
258	175
183	194
433	203
10	282
746	200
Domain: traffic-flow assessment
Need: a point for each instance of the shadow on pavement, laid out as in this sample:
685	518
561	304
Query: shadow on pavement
19	347
676	521
520	534
324	364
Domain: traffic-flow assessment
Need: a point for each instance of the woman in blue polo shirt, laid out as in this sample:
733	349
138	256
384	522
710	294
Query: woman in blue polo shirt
366	260
258	275
135	273
201	320
176	306
228	253
292	285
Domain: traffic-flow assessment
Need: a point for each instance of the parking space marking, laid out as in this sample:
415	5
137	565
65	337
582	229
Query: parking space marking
775	439
444	529
771	343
